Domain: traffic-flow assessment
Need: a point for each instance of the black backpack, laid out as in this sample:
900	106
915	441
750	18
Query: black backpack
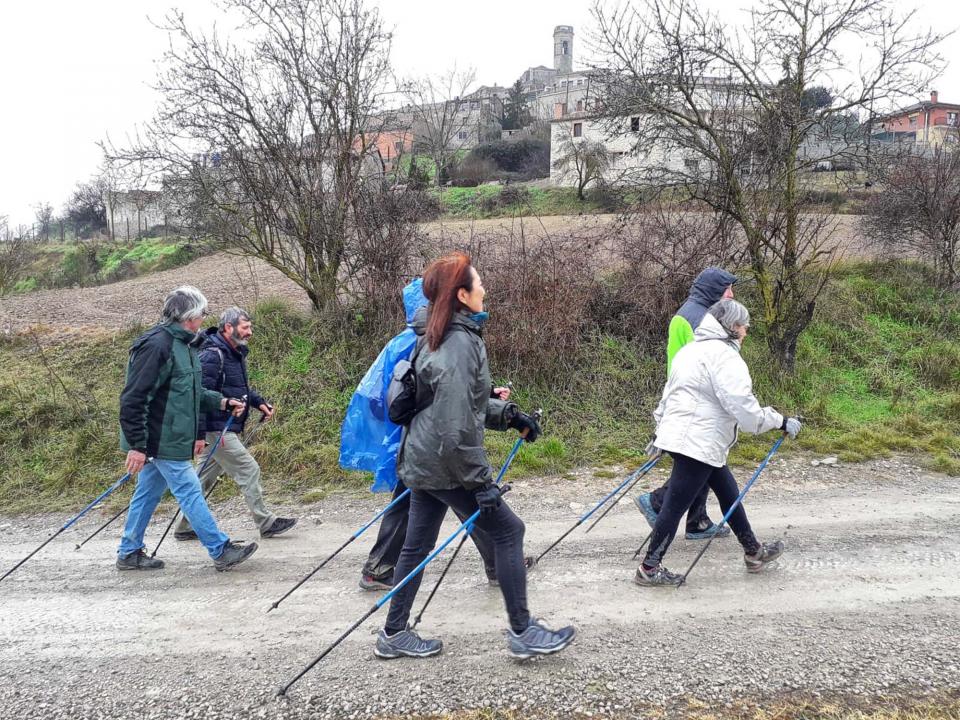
402	391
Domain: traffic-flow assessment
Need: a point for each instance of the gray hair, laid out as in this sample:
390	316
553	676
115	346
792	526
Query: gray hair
729	313
232	316
184	303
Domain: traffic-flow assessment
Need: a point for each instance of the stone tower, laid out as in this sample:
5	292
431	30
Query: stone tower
563	49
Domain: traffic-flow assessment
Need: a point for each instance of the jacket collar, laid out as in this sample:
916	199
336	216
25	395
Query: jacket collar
179	332
711	329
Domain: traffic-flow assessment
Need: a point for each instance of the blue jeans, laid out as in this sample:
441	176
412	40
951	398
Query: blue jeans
181	477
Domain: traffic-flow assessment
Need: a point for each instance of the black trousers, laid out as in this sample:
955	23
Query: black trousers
688	479
503	528
697	518
393	529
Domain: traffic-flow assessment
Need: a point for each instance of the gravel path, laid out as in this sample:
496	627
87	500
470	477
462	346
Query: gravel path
866	602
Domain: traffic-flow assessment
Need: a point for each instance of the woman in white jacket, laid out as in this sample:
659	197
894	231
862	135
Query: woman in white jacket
708	395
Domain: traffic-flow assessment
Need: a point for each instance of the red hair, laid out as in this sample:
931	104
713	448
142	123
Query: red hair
442	279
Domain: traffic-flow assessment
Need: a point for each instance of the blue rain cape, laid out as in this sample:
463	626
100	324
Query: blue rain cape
368	440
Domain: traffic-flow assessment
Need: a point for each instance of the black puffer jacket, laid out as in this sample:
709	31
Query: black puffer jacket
225	370
442	448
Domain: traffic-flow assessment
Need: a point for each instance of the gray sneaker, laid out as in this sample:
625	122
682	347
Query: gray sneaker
658	576
405	643
278	527
138	560
767	553
233	554
538	639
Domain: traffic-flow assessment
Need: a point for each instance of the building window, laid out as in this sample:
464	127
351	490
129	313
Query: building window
635	124
913	121
564	48
579	82
579	105
578	129
691	164
462	135
398	146
951	118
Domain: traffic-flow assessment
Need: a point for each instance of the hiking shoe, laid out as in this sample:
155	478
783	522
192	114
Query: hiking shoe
233	554
372	582
405	643
538	639
183	535
713	530
645	506
138	560
278	527
767	553
658	576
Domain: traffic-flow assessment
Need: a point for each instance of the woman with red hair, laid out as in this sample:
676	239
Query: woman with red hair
443	462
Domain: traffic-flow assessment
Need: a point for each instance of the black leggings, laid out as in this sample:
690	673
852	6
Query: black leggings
687	480
393	529
502	527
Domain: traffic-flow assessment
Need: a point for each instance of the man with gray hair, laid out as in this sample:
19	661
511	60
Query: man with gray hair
160	410
223	355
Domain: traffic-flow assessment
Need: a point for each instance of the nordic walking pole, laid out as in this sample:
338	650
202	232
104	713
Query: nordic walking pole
504	489
76	517
336	552
617	500
176	515
112	520
642	470
463	540
733	506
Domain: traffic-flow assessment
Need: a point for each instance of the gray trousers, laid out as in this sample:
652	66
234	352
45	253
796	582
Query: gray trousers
236	461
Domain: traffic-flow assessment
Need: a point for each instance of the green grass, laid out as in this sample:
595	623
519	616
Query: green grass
487	201
95	263
876	374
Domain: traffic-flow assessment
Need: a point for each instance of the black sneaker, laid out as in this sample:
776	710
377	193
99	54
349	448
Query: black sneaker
138	560
372	582
278	527
767	553
233	554
658	576
184	535
538	639
405	643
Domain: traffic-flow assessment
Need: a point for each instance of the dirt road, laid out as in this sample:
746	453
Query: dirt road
865	602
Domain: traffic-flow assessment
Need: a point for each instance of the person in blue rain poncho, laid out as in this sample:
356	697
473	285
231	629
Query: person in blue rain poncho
369	441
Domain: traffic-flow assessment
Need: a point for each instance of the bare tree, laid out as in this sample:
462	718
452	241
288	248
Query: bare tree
43	212
86	208
267	142
917	207
725	113
15	255
585	160
438	113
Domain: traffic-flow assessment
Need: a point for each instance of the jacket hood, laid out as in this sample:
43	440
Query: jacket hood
413	299
145	338
419	323
711	329
709	285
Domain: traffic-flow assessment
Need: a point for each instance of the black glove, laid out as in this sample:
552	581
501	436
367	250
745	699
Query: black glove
521	421
488	497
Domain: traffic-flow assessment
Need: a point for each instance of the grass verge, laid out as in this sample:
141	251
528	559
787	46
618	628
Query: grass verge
877	373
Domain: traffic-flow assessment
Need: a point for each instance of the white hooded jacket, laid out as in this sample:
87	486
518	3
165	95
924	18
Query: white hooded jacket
708	394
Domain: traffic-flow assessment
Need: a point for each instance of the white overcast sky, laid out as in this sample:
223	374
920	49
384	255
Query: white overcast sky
72	71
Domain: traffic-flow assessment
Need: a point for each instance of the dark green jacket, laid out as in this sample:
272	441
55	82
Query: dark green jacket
163	397
442	448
